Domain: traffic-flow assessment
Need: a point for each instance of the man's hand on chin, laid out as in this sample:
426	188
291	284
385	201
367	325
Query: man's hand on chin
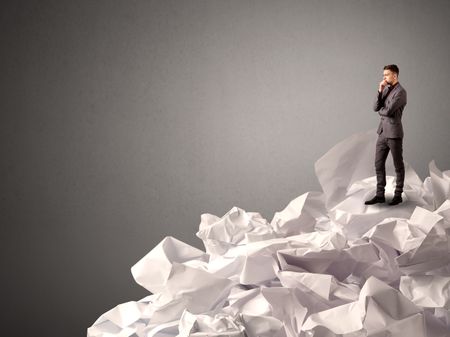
382	85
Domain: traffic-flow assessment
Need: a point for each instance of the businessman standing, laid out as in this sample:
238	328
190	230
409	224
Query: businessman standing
390	102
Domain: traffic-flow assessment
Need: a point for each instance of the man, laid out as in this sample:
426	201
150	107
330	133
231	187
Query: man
390	102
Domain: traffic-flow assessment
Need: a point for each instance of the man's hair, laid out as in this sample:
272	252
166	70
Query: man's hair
392	67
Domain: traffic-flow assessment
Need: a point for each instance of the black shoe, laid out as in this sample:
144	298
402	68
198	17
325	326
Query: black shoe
397	199
375	200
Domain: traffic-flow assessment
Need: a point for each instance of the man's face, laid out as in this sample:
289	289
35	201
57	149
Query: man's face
389	76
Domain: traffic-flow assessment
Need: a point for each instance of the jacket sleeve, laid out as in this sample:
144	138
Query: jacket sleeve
378	102
391	106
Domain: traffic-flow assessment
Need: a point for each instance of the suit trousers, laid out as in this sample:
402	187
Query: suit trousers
384	145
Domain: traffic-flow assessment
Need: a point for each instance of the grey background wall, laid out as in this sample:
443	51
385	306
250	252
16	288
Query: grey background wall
123	121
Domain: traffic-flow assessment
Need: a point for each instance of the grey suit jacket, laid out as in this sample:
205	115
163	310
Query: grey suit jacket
390	108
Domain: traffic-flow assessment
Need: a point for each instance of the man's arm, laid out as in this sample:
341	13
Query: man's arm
378	102
393	105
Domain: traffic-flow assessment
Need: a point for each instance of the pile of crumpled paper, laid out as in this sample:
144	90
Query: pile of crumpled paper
327	265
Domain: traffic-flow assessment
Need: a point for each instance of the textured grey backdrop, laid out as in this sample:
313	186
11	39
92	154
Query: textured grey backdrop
123	121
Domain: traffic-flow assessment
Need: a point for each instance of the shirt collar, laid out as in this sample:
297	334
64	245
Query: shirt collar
393	86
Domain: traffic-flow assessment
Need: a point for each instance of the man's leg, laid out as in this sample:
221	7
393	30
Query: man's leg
381	153
396	146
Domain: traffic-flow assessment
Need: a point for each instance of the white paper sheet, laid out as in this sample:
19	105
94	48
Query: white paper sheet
160	260
205	325
440	182
237	227
379	308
